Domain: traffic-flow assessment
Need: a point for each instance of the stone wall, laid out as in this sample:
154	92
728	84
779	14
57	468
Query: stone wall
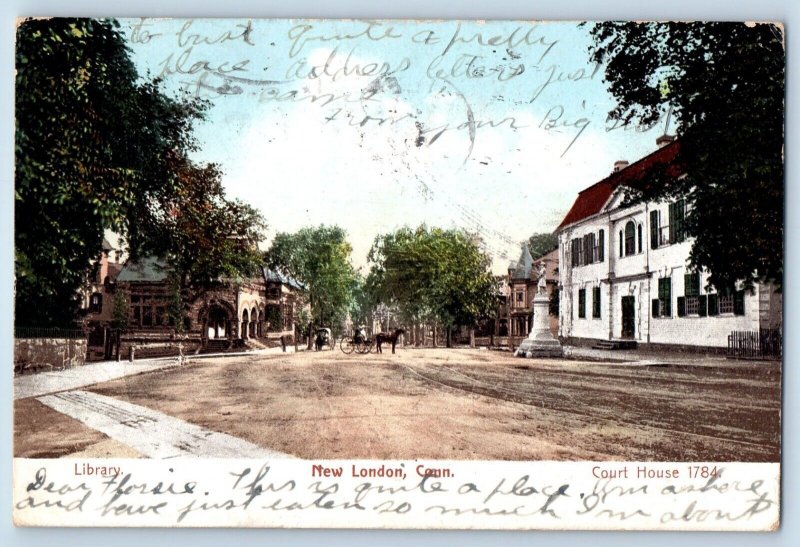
38	353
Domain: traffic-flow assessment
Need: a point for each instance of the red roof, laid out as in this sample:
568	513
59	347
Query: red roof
592	199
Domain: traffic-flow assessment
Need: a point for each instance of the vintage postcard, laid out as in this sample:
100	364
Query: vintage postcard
398	274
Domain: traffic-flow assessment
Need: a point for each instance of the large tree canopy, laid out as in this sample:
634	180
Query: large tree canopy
433	274
99	148
539	244
319	257
94	147
204	235
725	85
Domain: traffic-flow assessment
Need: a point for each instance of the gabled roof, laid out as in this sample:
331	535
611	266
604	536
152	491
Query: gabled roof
591	200
147	268
272	276
524	265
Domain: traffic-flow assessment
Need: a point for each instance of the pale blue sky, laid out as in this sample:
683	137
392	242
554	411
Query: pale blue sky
331	160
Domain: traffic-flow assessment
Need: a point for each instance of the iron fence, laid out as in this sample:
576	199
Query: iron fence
763	343
48	332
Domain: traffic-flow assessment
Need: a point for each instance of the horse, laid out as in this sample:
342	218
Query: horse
384	337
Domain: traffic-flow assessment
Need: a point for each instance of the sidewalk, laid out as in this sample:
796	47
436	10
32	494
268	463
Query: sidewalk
42	383
633	357
151	433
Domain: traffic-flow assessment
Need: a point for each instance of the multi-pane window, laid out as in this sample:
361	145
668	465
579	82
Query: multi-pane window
630	238
581	303
96	303
725	303
691	290
596	302
148	311
639	237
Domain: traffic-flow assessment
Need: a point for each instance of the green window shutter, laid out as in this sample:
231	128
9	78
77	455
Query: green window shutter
655	304
654	229
680	220
738	303
681	306
713	304
702	305
665	294
596	302
672	221
581	303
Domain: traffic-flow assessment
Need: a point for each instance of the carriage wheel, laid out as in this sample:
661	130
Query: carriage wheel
369	346
360	346
347	346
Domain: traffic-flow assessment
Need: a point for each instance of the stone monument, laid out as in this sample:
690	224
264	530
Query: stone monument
540	342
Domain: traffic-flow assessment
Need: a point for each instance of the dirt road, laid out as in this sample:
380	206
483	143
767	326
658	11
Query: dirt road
448	404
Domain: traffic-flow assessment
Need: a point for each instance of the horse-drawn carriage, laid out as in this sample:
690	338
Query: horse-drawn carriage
323	339
360	342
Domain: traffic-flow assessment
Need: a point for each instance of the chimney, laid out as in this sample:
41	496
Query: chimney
620	165
664	140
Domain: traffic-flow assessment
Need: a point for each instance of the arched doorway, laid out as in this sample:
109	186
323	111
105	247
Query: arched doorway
253	322
217	323
217	326
245	324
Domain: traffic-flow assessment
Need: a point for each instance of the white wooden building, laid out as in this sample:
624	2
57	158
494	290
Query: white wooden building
624	273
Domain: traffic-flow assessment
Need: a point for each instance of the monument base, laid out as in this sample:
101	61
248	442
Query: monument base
540	342
540	348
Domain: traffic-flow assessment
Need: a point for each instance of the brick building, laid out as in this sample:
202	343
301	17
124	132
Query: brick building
254	312
522	282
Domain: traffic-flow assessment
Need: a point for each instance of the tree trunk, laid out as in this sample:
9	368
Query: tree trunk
472	337
449	341
433	327
310	338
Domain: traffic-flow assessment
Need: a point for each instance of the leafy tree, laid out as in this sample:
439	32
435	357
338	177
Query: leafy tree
120	310
204	235
94	147
554	302
540	244
725	85
175	303
319	257
431	273
363	300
